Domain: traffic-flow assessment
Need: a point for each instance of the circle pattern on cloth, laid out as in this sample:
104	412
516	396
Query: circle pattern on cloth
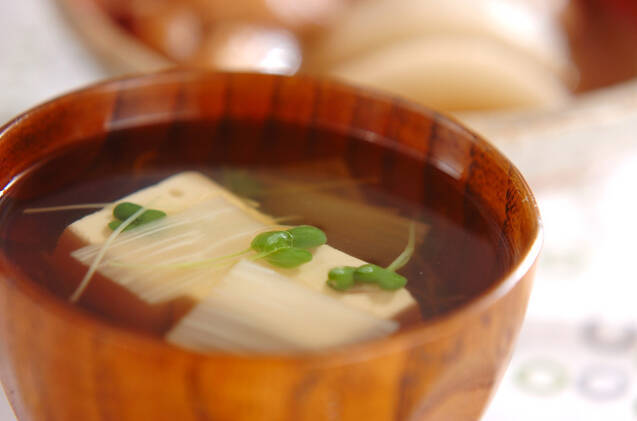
602	383
602	337
542	377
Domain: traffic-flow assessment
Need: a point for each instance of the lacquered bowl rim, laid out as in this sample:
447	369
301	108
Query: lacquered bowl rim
432	328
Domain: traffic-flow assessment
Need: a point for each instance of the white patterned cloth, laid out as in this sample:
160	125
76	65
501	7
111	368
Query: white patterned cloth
577	354
570	372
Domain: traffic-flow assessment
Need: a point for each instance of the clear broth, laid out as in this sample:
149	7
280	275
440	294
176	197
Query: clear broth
306	173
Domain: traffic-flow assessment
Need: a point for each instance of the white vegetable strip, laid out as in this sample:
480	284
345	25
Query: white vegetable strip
153	260
254	308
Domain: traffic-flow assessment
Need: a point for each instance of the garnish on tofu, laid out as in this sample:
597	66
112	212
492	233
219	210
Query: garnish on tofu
342	278
124	210
288	249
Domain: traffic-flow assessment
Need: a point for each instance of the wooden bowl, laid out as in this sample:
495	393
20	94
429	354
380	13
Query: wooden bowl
59	363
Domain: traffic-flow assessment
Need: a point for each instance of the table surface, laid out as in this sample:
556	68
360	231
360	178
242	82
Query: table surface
577	354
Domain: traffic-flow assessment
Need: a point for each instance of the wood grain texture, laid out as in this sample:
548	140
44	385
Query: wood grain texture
58	363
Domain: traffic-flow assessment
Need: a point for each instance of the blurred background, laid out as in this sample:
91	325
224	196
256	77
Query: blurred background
552	83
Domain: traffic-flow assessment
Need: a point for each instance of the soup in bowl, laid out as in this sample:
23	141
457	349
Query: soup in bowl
193	245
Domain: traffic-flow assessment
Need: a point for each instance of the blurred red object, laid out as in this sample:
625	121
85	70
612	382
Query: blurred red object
624	7
602	37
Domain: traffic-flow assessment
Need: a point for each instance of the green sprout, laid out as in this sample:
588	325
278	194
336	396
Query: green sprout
125	210
288	248
343	278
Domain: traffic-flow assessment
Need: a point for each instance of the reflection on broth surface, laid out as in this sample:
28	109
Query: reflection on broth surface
363	197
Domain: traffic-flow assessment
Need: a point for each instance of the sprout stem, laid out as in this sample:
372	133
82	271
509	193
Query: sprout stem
66	207
404	257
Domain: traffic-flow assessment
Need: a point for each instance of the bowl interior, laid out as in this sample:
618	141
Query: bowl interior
296	127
